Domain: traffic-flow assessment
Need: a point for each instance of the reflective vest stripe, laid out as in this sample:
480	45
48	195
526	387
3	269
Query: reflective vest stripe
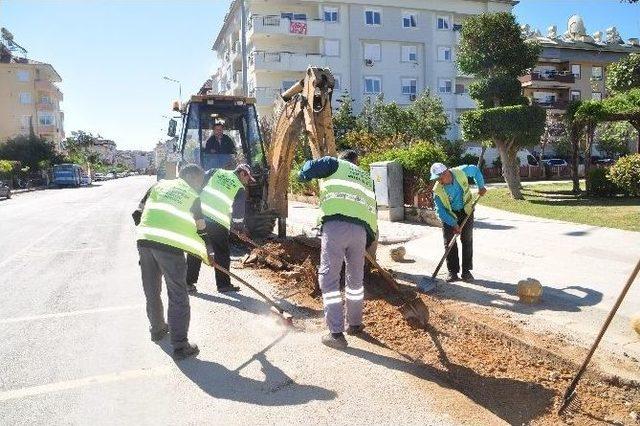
326	183
216	215
169	209
463	181
145	231
218	194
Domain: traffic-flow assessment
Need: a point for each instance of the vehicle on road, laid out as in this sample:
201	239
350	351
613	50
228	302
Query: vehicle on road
491	155
67	175
555	162
99	177
85	180
5	191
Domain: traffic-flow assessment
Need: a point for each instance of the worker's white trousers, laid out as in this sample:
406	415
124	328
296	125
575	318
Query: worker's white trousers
342	242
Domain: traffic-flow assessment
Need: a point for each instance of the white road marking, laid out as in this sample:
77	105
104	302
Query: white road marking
87	381
69	314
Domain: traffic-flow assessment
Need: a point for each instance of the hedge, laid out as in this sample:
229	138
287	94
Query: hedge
625	174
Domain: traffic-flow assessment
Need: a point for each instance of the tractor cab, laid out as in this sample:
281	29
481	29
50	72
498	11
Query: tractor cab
221	132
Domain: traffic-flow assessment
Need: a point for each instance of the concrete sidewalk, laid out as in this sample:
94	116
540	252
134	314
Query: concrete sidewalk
582	268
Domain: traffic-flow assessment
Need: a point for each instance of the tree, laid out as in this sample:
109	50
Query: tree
31	151
614	138
344	120
493	49
428	120
624	75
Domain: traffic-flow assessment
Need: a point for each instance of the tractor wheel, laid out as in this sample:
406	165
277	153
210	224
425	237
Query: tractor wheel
261	225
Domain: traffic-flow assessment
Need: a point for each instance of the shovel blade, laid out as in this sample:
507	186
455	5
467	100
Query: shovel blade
416	310
427	285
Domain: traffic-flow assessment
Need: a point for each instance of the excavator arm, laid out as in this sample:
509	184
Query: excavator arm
305	107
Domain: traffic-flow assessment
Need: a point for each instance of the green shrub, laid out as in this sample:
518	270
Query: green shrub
600	184
625	174
469	159
416	160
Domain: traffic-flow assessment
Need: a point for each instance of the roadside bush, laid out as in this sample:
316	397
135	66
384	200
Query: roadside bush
469	159
601	185
416	160
367	143
625	174
302	188
8	169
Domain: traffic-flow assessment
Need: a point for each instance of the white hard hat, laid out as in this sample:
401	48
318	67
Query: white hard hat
437	169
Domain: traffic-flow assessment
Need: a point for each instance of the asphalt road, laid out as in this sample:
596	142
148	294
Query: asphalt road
75	347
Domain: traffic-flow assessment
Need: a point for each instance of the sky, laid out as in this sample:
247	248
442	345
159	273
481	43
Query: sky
113	54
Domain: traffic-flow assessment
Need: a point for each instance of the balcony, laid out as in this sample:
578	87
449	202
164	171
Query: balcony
285	61
49	129
551	103
235	54
45	106
551	77
275	25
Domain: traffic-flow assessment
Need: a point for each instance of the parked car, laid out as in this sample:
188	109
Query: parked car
85	180
555	162
491	155
5	191
605	162
98	177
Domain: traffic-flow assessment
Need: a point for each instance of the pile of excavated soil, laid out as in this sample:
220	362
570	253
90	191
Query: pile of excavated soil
518	375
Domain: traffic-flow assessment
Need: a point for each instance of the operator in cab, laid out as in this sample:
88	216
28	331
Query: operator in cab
349	225
223	200
219	150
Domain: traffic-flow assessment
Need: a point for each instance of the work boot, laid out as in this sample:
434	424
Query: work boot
156	336
467	277
228	288
335	340
355	329
452	277
185	352
191	288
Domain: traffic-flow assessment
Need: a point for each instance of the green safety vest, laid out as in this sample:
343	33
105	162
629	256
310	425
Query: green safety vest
167	218
218	194
349	192
467	199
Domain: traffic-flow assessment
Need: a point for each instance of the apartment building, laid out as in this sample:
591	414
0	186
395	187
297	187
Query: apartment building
29	98
373	47
572	66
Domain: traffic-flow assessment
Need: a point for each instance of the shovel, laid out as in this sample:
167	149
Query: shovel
429	284
412	309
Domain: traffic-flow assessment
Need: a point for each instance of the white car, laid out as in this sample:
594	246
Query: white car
85	180
555	162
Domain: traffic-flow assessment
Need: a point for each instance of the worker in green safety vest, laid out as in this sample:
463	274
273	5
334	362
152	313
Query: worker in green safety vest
453	201
349	225
223	200
168	220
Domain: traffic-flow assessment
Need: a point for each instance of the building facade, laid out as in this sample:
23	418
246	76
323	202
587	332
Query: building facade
30	99
572	66
105	149
373	47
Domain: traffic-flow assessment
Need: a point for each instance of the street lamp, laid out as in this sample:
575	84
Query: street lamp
179	86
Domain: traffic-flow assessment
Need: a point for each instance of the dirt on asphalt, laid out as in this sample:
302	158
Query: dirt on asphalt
518	375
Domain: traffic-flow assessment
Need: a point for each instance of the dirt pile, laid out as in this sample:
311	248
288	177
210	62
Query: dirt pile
516	374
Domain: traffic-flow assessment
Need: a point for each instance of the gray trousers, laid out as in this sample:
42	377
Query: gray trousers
154	264
342	242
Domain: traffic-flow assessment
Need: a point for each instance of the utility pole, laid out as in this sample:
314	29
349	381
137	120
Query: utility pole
243	47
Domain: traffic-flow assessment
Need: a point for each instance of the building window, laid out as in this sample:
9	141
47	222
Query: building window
409	20
25	98
444	54
44	99
46	120
461	89
294	16
409	53
337	85
576	70
372	51
444	23
445	85
596	96
409	86
372	85
596	73
575	95
23	75
372	17
331	14
332	47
